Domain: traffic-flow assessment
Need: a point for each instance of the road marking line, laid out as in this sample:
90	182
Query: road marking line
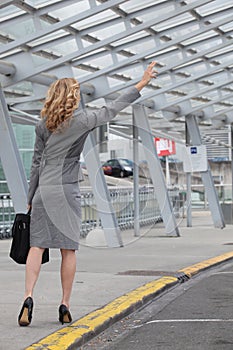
223	273
184	321
191	320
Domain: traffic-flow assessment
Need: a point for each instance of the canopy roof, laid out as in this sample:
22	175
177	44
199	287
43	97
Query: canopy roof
106	45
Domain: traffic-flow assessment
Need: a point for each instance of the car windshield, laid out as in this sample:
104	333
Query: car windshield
125	162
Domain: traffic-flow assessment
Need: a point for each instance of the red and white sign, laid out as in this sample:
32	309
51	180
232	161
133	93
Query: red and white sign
164	147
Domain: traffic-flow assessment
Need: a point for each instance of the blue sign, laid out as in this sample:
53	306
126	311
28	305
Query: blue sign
195	159
193	150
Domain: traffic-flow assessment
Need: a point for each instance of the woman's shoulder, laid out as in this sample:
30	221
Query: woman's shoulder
41	128
41	123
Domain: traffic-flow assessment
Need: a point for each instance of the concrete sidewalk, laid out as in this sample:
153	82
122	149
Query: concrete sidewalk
103	274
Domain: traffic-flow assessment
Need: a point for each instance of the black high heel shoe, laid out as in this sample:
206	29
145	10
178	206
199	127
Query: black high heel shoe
64	314
25	315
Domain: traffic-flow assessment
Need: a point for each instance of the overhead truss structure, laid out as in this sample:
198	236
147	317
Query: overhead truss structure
107	45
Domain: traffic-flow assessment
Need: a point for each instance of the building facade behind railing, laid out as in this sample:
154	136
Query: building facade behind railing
122	200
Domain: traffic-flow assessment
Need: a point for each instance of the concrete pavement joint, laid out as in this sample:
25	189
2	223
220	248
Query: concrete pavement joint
87	327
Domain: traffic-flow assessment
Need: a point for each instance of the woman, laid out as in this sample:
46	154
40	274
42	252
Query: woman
54	196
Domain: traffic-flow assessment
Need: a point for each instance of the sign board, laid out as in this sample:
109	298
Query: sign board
164	147
195	159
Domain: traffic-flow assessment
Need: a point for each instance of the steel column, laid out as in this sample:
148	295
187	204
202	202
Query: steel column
136	179
10	158
231	170
101	193
207	179
188	185
156	171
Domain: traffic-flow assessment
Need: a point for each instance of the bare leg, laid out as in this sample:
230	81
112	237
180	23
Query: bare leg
32	269
68	269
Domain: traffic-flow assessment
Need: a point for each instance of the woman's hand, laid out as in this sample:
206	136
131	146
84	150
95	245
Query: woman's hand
149	73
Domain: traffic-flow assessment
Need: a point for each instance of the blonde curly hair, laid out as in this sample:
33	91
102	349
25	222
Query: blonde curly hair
62	99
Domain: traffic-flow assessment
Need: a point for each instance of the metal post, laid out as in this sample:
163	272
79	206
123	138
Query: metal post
207	179
136	180
106	212
189	200
156	171
11	161
168	180
101	193
231	171
231	163
188	184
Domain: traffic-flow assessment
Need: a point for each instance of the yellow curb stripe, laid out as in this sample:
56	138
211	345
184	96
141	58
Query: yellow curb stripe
65	337
194	269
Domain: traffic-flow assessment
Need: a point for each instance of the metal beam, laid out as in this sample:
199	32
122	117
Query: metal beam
198	92
60	25
136	179
163	103
160	92
7	68
201	53
228	112
11	161
188	184
104	42
156	172
193	110
159	47
193	79
103	202
207	179
5	3
92	28
39	12
167	16
171	43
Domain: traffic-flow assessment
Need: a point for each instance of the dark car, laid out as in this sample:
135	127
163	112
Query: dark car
120	167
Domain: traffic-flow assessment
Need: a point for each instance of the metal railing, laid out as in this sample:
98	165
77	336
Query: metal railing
199	197
6	215
122	199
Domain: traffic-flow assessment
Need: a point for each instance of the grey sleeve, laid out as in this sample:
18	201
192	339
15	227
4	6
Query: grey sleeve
92	119
35	168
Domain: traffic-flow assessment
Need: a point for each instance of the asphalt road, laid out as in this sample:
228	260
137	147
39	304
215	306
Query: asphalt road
196	315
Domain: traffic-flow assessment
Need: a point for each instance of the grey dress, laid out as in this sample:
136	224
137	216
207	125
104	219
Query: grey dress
55	174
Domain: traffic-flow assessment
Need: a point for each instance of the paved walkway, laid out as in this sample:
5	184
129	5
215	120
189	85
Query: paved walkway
103	275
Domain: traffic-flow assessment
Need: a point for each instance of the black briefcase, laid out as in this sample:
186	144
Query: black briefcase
21	239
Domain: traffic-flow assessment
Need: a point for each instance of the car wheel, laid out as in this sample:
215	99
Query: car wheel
122	173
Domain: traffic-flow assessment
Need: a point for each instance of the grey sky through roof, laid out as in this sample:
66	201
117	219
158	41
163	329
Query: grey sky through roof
106	45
